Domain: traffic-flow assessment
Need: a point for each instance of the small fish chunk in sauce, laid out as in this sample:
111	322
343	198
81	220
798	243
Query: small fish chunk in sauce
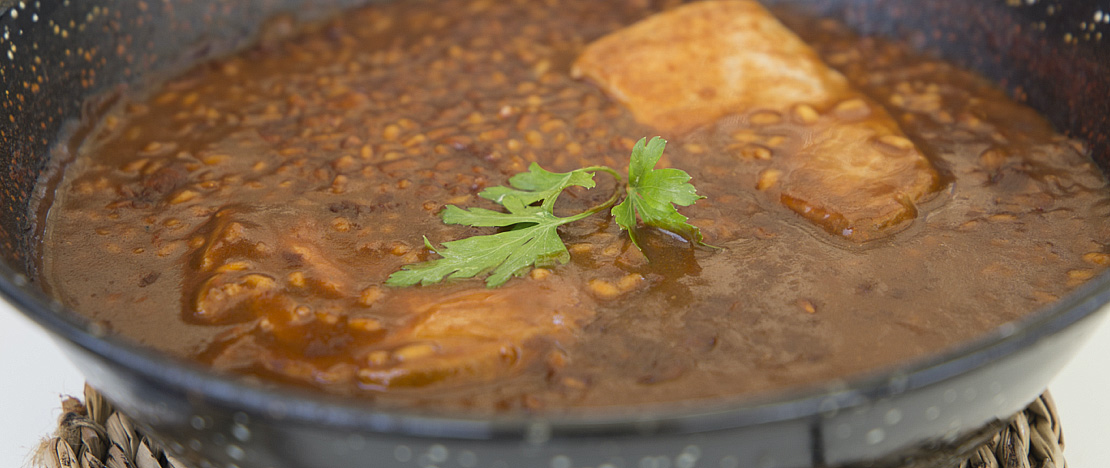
857	175
395	339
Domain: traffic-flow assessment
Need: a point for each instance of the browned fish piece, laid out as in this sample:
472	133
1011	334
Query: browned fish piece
477	334
860	179
311	325
856	174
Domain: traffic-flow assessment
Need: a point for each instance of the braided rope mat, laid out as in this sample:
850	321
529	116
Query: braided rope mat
93	435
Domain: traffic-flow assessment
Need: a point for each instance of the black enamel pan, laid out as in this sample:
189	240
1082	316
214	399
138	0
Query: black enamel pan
1049	54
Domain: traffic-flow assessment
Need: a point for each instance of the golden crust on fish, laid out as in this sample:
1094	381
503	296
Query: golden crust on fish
402	338
856	175
477	335
686	67
859	179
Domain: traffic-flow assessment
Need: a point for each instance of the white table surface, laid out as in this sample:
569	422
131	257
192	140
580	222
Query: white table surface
35	374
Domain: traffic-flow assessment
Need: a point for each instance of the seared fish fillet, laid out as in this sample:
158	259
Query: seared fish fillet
856	175
293	310
476	335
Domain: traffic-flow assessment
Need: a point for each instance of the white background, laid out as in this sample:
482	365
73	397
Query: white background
33	375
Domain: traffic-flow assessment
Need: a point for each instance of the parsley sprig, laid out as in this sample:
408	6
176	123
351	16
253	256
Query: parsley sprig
653	193
532	239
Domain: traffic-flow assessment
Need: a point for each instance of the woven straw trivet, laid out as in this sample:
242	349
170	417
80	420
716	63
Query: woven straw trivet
93	435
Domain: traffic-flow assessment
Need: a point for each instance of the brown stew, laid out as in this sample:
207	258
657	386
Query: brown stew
246	214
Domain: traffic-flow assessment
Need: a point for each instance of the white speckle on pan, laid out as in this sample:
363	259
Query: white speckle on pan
898	384
241	432
241	418
438	453
424	461
197	422
560	461
235	452
195	445
97	329
14	13
932	413
402	453
729	461
685	460
893	417
1008	329
951	395
875	436
970	394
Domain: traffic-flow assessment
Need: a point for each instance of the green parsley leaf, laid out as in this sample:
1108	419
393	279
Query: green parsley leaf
533	239
652	194
538	184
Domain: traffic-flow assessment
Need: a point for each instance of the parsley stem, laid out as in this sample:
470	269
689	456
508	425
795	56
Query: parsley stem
607	203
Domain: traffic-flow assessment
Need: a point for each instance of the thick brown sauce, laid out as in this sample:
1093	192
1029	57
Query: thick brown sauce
317	159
